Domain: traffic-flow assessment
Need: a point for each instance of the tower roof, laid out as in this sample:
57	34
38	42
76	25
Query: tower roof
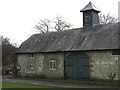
90	6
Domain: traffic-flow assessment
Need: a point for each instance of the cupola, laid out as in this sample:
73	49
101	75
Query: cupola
90	17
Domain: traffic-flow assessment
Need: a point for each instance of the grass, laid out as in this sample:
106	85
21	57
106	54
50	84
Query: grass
111	83
0	85
22	85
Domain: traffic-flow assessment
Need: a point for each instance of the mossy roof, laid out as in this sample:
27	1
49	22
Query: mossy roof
104	37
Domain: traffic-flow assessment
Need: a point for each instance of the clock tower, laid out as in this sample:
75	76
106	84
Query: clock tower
90	17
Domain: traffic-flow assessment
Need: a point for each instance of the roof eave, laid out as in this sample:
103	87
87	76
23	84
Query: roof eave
90	10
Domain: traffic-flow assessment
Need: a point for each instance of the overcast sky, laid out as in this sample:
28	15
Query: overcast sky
18	17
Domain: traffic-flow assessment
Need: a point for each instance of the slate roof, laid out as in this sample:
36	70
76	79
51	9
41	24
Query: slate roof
104	37
90	6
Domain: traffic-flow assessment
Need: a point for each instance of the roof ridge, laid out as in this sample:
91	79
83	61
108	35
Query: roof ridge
67	30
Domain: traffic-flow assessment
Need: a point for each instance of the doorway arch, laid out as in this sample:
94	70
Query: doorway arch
78	66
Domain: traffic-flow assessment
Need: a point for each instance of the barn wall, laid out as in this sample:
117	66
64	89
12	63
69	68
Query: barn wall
42	70
59	72
24	61
103	65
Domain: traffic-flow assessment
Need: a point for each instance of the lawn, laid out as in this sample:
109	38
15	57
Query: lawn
0	85
21	85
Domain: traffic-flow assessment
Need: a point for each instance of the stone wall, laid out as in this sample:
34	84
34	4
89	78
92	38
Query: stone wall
103	65
41	65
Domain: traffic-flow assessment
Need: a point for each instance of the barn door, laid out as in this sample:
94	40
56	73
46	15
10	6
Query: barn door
77	66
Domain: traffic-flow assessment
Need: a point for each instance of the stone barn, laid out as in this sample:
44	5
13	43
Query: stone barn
91	52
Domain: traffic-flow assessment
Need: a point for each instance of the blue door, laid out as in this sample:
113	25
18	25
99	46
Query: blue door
77	66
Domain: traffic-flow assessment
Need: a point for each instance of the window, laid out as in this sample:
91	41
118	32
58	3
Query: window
115	52
52	65
31	55
31	66
40	64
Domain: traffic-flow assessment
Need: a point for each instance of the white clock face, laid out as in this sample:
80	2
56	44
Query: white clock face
87	19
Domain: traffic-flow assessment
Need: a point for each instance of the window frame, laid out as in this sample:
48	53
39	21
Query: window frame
31	66
31	55
52	64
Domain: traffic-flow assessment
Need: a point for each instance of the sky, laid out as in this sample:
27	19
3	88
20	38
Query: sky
19	17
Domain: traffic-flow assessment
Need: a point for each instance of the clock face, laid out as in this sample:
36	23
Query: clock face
87	19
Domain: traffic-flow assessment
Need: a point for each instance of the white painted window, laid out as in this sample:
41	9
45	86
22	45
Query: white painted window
31	66
52	65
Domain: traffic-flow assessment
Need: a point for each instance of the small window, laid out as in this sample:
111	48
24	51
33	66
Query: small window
115	52
40	64
31	66
31	55
52	65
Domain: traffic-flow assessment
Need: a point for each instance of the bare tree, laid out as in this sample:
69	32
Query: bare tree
5	40
61	24
43	25
58	24
107	19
